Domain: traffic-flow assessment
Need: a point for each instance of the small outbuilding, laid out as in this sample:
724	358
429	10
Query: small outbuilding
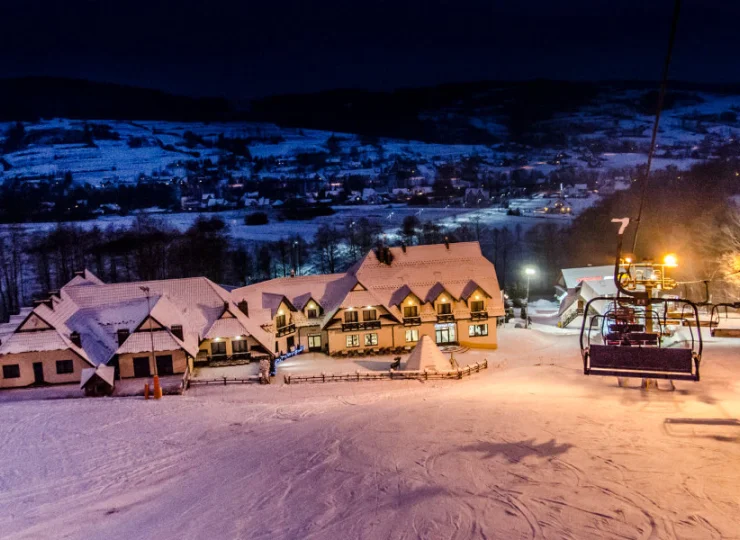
98	381
427	356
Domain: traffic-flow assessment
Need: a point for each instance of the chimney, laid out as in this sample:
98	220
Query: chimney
55	293
244	307
447	242
123	334
226	306
76	338
177	331
80	273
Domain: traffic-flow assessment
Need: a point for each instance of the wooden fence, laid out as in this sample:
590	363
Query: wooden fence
390	375
223	381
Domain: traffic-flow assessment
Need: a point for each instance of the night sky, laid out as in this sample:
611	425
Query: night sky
245	49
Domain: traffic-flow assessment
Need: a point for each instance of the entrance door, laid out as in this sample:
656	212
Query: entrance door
314	342
38	372
445	333
141	366
290	342
164	365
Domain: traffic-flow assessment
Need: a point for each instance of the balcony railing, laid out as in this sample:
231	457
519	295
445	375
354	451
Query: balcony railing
412	321
223	359
364	325
285	330
445	317
478	315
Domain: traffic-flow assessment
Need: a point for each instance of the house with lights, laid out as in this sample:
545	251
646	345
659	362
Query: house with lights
385	302
138	327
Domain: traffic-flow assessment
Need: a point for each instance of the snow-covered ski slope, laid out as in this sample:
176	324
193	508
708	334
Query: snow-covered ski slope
530	448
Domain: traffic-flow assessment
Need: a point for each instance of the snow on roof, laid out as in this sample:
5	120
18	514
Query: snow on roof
226	328
459	268
97	311
141	342
595	288
42	340
424	271
427	356
573	276
106	373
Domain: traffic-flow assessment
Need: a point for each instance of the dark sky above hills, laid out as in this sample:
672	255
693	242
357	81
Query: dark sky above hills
245	48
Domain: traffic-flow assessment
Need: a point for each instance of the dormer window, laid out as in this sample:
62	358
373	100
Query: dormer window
477	305
280	321
444	309
350	316
410	311
369	315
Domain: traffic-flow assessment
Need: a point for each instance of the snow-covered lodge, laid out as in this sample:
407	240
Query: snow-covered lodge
386	302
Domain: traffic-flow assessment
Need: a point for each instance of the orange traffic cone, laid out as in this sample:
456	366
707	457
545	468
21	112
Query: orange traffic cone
157	388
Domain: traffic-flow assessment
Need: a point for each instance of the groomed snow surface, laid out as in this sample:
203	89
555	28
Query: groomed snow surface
530	448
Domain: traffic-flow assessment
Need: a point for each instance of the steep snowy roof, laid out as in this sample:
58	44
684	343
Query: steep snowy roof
425	271
460	269
226	328
96	311
573	276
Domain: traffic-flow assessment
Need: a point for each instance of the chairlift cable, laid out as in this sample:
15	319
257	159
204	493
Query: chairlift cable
661	96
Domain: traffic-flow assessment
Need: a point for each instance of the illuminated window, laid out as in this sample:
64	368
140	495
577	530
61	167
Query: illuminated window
371	340
218	347
353	340
239	346
410	311
475	330
412	336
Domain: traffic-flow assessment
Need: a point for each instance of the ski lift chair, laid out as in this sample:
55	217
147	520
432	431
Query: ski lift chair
628	350
714	329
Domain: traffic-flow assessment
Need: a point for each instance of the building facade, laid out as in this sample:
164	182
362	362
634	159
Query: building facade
384	303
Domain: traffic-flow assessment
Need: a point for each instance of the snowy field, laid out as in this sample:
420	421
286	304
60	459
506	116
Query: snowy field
390	219
529	448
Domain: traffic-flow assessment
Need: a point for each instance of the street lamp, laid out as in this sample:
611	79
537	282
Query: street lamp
157	388
529	272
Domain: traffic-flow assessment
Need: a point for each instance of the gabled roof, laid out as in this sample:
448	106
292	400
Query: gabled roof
458	268
141	342
573	276
226	328
424	271
436	291
97	311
